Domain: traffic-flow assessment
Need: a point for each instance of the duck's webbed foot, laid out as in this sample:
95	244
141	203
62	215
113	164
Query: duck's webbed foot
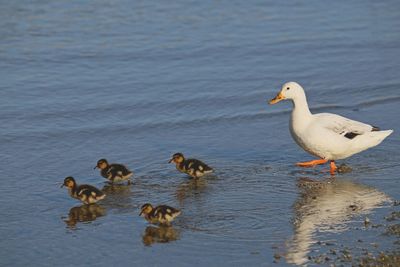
333	167
312	163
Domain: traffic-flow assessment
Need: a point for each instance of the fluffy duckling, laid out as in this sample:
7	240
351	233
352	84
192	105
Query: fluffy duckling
162	214
114	172
193	167
86	193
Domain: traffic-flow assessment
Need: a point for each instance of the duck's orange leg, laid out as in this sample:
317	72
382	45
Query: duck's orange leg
333	167
312	163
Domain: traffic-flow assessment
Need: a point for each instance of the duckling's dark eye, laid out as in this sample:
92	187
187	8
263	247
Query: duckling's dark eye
287	88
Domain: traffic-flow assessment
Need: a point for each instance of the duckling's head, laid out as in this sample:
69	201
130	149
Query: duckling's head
69	182
290	90
146	209
101	164
177	158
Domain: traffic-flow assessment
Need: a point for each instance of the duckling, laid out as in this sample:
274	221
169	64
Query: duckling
162	214
86	193
114	172
193	167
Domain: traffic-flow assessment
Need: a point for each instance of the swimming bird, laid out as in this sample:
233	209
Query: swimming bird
88	194
193	167
114	172
327	136
162	214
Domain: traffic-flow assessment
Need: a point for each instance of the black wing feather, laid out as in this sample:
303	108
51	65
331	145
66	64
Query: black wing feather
195	163
119	168
88	189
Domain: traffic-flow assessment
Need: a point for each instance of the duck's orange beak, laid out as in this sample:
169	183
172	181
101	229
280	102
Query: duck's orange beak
277	98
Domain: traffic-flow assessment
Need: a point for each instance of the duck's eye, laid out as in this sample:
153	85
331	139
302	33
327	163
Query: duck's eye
287	88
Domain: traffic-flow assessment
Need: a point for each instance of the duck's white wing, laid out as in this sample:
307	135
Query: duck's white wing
343	126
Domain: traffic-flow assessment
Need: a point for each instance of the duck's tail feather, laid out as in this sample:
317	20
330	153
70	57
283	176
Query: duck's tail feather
371	139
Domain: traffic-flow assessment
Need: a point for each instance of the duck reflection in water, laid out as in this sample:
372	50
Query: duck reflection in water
117	189
84	213
190	188
327	206
118	197
161	234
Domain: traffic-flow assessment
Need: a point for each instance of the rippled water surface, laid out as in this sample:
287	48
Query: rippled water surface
136	81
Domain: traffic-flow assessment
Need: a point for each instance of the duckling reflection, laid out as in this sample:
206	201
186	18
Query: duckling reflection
162	234
84	213
117	189
327	206
118	197
192	187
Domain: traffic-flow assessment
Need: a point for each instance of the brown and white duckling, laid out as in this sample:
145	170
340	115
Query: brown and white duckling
162	214
114	172
88	194
193	167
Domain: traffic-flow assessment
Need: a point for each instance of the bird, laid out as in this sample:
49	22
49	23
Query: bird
114	172
193	167
162	214
327	136
88	194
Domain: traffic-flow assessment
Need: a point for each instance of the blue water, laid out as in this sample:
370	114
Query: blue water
136	81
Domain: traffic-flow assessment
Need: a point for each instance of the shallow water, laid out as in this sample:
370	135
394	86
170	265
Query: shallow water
135	82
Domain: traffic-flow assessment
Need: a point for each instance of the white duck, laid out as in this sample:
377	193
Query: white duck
325	135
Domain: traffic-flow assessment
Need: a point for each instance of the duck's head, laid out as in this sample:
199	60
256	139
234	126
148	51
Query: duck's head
101	164
145	209
290	90
69	182
177	158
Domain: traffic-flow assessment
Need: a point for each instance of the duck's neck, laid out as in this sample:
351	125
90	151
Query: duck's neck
104	172
73	190
301	113
150	214
181	164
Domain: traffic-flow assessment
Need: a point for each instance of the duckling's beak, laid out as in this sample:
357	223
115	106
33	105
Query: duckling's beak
94	167
141	212
62	186
171	160
277	98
